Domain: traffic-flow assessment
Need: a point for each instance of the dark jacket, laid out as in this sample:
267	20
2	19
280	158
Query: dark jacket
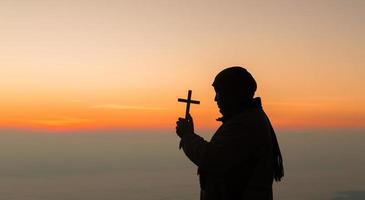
237	164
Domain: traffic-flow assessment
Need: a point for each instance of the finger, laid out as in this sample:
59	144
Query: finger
190	119
182	120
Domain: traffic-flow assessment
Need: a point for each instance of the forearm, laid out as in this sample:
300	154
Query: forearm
217	156
194	147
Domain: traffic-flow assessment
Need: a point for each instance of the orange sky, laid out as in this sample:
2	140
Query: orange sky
123	64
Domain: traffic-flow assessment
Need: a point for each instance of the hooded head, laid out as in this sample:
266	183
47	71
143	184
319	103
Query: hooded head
235	87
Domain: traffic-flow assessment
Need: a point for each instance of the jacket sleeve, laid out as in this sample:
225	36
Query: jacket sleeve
235	145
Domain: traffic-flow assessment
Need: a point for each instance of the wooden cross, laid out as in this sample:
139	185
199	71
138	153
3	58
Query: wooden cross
188	101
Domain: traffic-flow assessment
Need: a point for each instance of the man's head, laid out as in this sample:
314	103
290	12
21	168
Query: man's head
233	86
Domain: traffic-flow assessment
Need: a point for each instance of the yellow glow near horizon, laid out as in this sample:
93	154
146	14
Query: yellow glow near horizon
123	64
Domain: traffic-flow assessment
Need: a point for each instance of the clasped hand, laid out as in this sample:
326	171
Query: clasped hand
185	126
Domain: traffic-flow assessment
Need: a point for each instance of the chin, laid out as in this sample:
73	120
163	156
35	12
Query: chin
221	111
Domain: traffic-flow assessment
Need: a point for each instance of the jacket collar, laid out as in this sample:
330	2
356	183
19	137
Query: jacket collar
254	103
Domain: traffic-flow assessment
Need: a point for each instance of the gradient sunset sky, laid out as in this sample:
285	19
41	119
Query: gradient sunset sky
87	64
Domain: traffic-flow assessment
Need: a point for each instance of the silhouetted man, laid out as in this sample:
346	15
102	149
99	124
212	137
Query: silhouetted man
243	156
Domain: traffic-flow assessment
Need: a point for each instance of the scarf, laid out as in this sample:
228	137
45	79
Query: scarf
277	158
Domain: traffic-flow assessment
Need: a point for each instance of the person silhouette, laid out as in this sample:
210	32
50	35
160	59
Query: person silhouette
243	157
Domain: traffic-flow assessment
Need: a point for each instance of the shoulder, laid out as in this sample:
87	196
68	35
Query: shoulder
252	123
249	117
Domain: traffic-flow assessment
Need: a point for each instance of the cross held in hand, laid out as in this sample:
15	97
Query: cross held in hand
188	101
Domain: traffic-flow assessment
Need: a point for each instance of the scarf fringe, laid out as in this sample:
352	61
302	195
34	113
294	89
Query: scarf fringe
278	159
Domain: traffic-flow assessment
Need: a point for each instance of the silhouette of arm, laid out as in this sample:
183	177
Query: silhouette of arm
235	144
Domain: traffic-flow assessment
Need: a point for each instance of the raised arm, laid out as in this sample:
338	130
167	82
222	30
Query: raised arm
233	146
